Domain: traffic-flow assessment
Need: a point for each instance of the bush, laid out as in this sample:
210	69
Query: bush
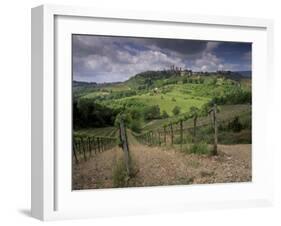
135	113
235	125
127	119
120	176
87	113
136	126
234	96
176	110
165	114
242	137
152	112
185	140
198	148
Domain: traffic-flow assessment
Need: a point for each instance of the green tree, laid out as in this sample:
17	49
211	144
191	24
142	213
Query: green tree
165	114
152	112
136	126
176	110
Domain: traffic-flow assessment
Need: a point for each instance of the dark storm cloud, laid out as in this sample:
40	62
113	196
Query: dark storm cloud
106	59
189	47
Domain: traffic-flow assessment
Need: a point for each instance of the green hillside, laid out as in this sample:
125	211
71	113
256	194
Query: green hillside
151	99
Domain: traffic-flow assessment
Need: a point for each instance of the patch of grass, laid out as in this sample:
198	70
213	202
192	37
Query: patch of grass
166	101
242	137
95	94
120	176
186	139
198	148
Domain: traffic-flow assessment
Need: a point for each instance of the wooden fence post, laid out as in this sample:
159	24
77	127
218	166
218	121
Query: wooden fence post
181	133
94	145
159	140
146	138
83	146
165	135
215	150
172	134
123	136
99	145
194	128
213	111
76	146
74	152
90	148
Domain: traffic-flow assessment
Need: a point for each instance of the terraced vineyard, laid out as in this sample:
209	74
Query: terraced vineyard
102	132
226	113
172	125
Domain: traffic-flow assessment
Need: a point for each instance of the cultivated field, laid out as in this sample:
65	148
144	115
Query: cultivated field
162	128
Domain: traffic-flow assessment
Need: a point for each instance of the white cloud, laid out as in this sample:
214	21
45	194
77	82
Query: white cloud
111	59
208	62
211	45
128	64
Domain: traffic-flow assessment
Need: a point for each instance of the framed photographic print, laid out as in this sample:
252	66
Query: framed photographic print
136	113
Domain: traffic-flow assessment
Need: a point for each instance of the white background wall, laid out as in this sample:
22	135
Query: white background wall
15	112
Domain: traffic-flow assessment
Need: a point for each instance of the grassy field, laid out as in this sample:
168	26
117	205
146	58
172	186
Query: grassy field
136	96
226	113
167	98
166	102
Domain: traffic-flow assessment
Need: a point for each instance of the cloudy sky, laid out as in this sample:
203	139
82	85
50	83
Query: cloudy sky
111	59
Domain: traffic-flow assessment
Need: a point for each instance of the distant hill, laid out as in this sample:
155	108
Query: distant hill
247	74
148	78
238	75
83	84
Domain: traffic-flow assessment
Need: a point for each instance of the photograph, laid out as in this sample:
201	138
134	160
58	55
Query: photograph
150	111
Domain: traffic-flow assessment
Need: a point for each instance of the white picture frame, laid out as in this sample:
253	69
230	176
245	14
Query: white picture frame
51	197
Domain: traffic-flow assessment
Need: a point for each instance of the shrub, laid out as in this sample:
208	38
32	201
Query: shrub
234	96
176	110
135	125
177	140
242	137
127	118
165	114
198	148
152	112
120	176
235	125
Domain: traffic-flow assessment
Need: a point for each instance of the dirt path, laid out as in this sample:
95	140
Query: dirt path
166	166
96	172
158	166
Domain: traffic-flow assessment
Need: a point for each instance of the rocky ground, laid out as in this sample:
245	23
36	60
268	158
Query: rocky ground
166	166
